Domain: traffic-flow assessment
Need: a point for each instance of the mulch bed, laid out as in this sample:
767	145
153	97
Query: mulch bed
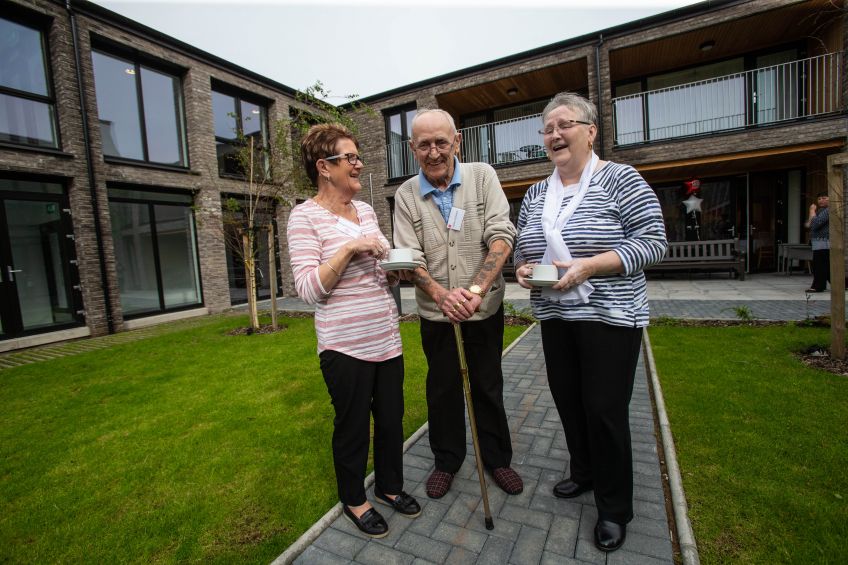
818	357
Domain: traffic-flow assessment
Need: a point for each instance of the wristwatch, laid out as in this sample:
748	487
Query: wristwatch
475	289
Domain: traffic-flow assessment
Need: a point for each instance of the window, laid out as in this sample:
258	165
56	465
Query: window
399	158
155	250
140	111
237	120
27	114
234	215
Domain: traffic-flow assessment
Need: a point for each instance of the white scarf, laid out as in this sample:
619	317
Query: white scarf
552	225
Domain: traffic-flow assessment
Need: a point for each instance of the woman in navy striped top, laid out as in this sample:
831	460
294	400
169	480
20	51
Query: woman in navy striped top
601	225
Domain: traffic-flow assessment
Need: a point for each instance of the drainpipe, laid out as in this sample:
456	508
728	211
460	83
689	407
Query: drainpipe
101	254
600	97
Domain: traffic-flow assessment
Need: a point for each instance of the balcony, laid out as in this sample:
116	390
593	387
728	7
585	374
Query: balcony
495	143
778	93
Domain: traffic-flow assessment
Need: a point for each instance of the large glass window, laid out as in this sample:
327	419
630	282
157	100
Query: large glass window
140	111
27	114
155	250
400	160
236	122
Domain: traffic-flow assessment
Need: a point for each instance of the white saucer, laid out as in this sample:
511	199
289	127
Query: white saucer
541	282
397	265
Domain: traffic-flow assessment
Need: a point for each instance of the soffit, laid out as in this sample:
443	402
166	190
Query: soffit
801	21
533	85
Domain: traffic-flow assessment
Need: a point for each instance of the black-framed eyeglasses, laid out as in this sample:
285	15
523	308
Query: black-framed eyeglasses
442	146
563	126
352	158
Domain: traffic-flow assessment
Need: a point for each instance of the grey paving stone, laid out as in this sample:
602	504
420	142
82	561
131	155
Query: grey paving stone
496	551
587	552
420	546
340	543
525	516
432	514
317	556
375	554
529	546
646	545
503	528
461	556
549	558
460	537
625	557
562	537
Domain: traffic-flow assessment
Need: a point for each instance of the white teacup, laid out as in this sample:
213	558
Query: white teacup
546	272
402	255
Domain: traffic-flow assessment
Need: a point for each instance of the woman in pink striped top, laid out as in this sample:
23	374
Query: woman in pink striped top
334	245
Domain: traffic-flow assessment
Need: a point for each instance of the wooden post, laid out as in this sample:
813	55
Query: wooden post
837	253
272	275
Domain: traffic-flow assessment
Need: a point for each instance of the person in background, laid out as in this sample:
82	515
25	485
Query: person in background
334	243
601	224
819	224
455	218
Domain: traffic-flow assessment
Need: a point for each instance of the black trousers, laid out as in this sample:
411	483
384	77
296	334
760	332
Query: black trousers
483	341
591	367
821	269
357	389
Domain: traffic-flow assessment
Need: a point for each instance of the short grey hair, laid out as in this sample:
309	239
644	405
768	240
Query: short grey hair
581	106
439	111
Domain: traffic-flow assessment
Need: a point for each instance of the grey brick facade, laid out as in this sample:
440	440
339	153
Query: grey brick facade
589	64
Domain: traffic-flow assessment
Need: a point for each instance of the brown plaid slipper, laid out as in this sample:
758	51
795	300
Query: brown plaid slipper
508	480
439	484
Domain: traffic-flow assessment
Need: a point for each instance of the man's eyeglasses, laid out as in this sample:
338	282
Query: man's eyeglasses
563	126
442	145
352	158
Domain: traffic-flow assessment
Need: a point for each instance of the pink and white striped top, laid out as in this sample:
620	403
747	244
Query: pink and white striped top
358	316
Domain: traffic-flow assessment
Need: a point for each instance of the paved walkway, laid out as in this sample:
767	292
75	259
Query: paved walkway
533	527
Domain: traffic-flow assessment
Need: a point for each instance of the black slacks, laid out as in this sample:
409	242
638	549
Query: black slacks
483	341
591	367
357	389
821	269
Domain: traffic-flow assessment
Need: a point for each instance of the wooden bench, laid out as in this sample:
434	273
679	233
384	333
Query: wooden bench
711	255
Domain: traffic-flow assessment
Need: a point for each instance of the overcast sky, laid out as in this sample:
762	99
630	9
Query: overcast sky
367	47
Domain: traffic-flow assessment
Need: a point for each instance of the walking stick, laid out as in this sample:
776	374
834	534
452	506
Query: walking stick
463	369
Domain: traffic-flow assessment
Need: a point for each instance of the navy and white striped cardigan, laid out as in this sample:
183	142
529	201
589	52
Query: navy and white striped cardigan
620	212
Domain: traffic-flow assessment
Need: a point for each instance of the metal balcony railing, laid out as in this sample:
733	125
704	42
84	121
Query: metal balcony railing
496	143
789	91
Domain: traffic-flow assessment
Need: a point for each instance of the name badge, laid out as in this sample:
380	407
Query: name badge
455	219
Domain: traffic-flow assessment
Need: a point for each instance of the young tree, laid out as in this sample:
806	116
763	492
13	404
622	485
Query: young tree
273	176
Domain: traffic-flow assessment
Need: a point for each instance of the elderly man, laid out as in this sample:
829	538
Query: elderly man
455	217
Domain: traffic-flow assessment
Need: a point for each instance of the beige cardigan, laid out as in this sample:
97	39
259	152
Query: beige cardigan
453	258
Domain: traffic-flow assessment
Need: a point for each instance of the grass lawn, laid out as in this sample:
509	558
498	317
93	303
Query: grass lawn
762	442
189	446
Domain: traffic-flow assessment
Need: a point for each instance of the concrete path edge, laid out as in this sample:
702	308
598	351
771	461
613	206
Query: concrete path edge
685	535
305	540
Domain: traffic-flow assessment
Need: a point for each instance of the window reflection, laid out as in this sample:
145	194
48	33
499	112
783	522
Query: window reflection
155	252
29	120
237	121
156	135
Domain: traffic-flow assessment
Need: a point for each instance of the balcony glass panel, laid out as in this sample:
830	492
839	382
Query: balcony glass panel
777	92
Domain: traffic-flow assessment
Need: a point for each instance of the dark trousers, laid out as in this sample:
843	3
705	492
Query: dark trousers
357	389
483	342
821	269
591	368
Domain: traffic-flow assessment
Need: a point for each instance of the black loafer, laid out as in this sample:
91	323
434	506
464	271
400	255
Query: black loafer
403	504
370	523
609	535
570	489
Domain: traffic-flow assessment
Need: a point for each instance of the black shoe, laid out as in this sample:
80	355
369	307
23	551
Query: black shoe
370	523
609	535
570	489
403	504
814	290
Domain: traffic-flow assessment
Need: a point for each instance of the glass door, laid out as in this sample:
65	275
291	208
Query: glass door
36	274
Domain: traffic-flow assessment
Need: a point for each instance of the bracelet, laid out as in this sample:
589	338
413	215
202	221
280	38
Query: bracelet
332	269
